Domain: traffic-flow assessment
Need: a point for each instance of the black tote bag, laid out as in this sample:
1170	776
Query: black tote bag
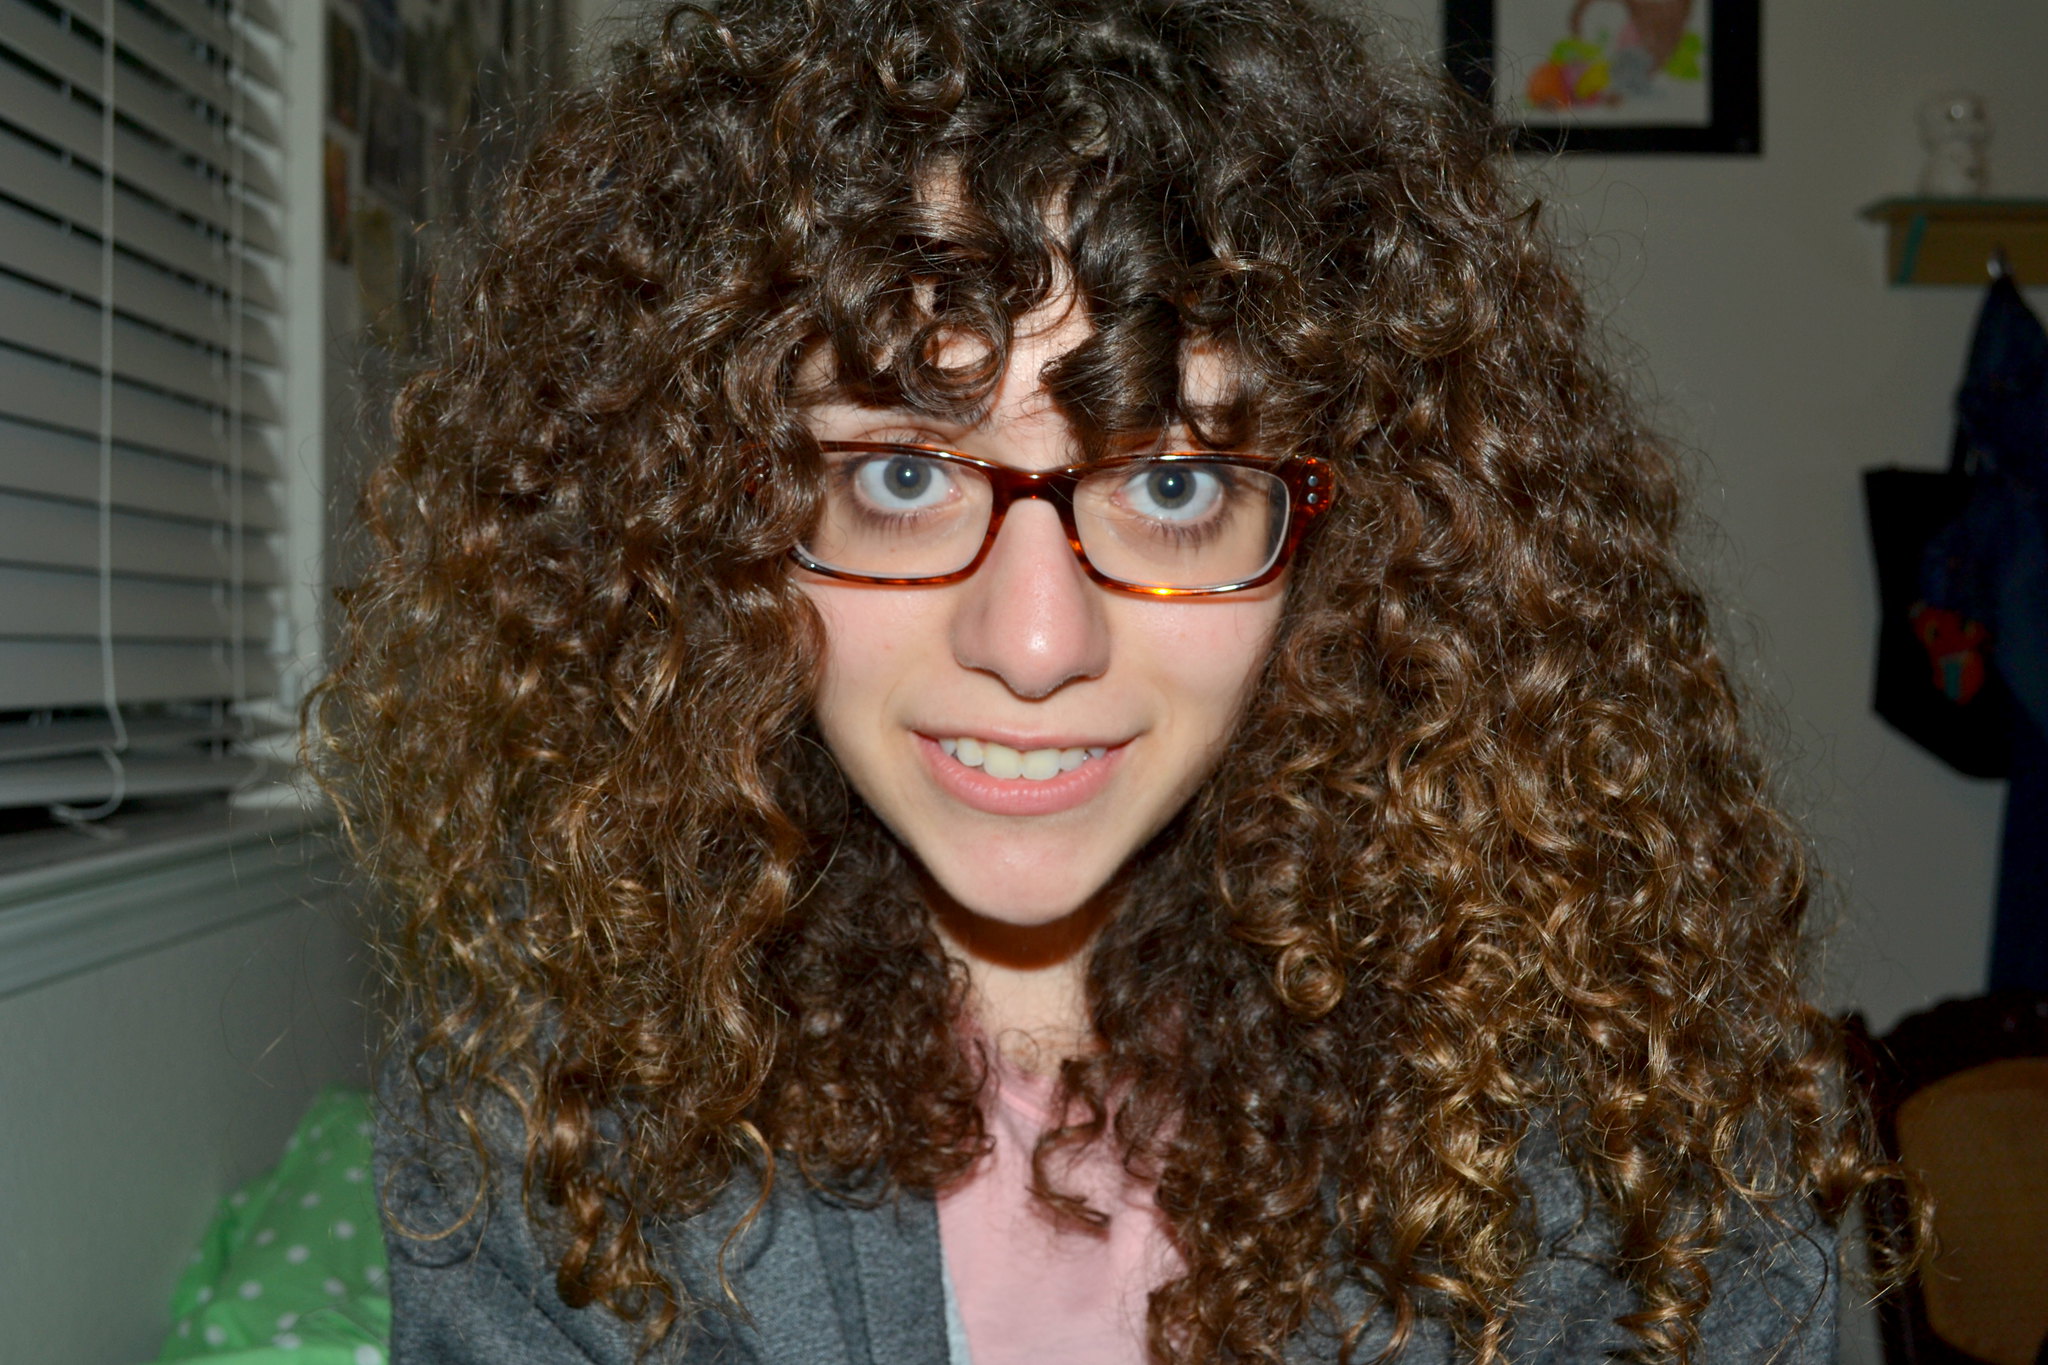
1935	680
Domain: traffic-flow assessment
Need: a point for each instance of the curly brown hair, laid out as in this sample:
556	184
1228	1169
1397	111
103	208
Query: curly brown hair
1490	851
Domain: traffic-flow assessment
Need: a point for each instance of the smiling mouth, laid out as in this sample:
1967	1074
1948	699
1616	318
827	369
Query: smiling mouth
1032	765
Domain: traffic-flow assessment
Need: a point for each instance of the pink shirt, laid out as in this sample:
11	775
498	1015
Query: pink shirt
1029	1291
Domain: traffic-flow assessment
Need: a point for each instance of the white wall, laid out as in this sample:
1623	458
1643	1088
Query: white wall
135	1096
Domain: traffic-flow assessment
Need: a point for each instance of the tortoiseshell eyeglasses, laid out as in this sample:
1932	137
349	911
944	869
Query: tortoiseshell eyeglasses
1181	524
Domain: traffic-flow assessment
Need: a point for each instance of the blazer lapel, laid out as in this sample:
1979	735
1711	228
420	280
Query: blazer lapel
775	1267
903	1298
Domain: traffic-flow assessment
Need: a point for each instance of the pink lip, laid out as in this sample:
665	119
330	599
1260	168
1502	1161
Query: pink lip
974	788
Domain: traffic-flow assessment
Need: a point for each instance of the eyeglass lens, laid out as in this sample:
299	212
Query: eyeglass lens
1152	523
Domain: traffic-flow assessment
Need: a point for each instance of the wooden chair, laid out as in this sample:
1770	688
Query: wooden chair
1960	1095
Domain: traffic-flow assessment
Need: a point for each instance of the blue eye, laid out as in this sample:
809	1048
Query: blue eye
902	483
1173	492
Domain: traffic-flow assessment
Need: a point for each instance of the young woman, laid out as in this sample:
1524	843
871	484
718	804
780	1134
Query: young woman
1022	698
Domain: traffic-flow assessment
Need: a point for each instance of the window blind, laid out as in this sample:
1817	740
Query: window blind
141	510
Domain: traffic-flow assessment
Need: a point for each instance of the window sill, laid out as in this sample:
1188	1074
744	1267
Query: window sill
172	881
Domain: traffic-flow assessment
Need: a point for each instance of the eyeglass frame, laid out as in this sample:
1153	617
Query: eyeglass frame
1309	487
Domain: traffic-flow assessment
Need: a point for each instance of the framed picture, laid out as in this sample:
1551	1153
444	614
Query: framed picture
1614	75
394	146
344	72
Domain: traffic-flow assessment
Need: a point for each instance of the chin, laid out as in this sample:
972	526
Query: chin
1021	897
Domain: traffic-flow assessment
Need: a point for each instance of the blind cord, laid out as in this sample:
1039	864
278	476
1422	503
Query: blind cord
237	482
238	661
110	694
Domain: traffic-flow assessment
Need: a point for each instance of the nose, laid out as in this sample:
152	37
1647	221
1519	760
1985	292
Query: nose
1030	616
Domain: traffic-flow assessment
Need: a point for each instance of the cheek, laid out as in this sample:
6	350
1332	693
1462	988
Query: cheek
870	640
1211	653
856	621
842	665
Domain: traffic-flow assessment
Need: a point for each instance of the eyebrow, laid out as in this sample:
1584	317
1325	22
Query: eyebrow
948	431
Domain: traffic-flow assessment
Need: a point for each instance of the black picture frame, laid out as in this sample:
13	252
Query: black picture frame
1735	87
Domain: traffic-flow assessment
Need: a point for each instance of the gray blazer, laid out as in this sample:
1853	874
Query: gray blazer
825	1282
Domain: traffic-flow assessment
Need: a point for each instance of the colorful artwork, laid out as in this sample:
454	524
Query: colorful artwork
334	167
461	56
380	276
424	113
344	72
394	150
1613	75
1956	648
381	33
1627	56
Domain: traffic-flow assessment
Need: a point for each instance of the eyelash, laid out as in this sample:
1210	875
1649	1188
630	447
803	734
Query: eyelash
1179	534
843	475
1190	536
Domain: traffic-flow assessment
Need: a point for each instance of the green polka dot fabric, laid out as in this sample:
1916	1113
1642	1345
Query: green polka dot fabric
292	1270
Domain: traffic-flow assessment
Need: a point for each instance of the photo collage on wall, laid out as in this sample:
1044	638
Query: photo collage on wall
422	98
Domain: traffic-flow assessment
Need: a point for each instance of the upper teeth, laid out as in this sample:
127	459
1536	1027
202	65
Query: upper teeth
1000	760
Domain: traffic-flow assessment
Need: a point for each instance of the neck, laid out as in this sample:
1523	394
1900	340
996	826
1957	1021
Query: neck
1027	983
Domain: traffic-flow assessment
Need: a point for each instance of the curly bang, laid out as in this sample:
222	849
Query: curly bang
1491	850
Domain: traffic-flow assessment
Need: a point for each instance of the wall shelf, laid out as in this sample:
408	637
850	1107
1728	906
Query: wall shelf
1953	241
